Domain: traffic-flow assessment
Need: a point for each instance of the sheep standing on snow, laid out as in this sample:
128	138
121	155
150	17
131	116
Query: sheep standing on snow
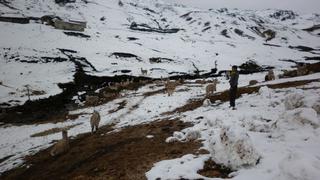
211	88
62	145
302	70
144	71
270	76
94	121
200	81
170	87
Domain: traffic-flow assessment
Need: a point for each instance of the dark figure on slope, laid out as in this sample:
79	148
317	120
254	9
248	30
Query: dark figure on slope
234	76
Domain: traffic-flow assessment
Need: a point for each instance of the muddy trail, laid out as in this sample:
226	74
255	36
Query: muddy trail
126	154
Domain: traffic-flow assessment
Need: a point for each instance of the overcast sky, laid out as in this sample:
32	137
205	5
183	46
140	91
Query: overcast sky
304	6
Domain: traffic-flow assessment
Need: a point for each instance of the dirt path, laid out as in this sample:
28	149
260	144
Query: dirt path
127	154
224	96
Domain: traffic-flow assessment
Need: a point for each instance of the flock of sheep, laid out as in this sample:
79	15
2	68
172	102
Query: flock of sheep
63	145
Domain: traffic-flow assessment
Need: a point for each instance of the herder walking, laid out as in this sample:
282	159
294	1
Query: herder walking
234	76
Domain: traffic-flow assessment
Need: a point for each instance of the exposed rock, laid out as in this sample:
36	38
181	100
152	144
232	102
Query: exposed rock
257	30
272	45
269	34
284	15
76	34
64	1
302	48
49	19
132	38
313	28
205	29
19	20
252	67
241	33
312	58
225	33
160	60
70	25
125	55
7	4
147	28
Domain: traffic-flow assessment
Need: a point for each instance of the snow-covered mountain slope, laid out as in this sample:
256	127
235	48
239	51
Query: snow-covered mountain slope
204	36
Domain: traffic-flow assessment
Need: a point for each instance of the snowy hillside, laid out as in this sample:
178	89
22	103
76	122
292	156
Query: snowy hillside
117	66
205	36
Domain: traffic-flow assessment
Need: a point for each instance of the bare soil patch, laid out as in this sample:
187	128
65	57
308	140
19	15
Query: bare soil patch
213	170
127	154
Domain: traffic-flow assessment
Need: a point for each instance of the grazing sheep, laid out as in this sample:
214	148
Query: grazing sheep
62	145
211	87
144	71
253	82
199	81
94	121
92	100
181	81
109	95
170	87
270	76
302	70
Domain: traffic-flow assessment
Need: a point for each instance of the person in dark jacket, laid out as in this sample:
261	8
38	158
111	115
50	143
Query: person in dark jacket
234	76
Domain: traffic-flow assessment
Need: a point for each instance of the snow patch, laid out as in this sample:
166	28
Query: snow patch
233	148
293	101
298	166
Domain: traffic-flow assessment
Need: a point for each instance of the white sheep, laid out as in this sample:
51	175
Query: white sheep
94	121
211	87
270	76
170	87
